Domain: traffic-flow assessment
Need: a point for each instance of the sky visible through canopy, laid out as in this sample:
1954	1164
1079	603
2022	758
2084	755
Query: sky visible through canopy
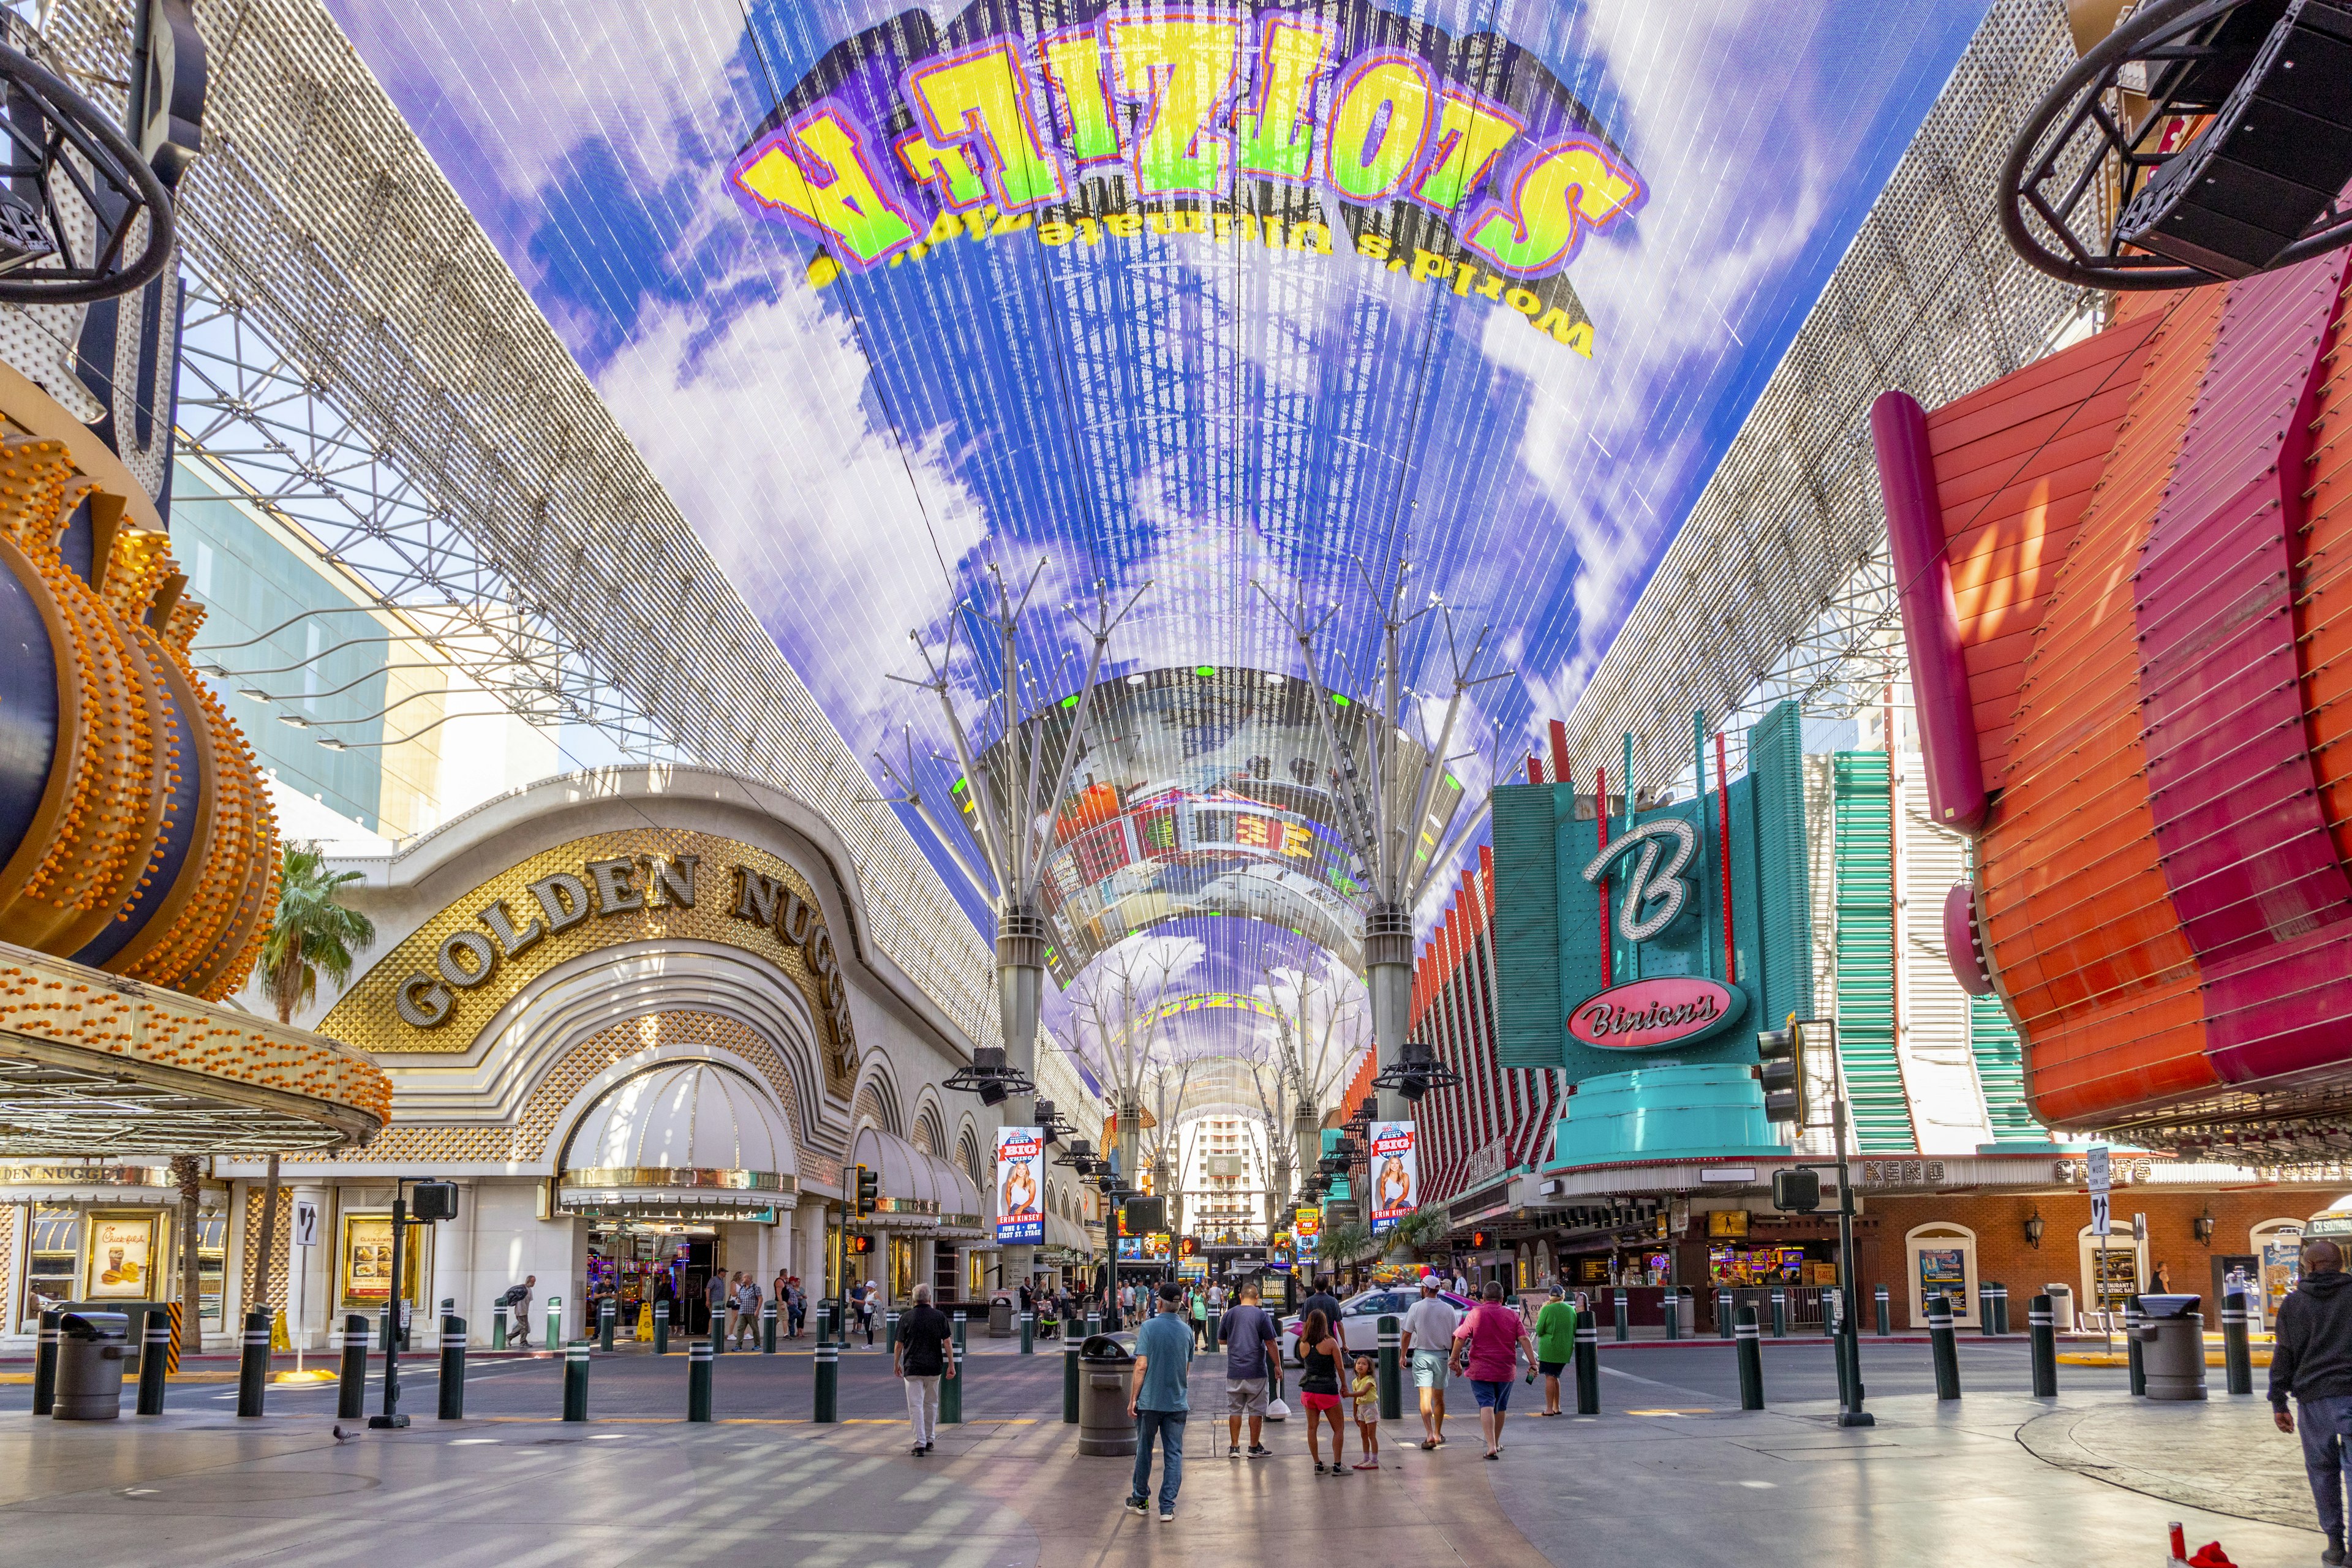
1236	299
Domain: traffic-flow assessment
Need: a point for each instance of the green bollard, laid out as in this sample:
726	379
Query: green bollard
453	1368
44	1364
1588	1368
1094	1324
828	1382
2237	1353
2042	1322
575	1381
1391	1334
951	1388
825	1322
253	1365
1672	1308
554	1322
1752	1361
497	1328
351	1398
1724	1308
1886	1313
608	1313
1028	1332
890	1329
1624	1318
767	1328
661	1328
154	1363
1069	1382
1779	1314
699	1359
1945	1350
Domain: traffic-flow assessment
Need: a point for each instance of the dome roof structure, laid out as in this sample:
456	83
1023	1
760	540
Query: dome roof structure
684	1137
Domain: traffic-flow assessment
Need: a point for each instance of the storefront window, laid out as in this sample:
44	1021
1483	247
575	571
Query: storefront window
54	1272
212	1266
902	1268
975	1272
2278	1244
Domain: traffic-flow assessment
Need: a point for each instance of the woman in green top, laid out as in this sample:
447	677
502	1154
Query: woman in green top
1555	1344
1199	1318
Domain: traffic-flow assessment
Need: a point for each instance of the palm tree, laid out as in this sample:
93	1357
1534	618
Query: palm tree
313	932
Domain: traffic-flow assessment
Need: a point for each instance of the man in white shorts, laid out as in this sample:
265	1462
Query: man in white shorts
1428	1341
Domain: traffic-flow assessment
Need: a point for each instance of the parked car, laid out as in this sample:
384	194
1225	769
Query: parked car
1359	1319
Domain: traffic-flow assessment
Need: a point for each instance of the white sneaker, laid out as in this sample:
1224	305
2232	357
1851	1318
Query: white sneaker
1167	1516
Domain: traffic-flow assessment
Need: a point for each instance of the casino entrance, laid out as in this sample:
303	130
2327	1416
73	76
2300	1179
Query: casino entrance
641	1263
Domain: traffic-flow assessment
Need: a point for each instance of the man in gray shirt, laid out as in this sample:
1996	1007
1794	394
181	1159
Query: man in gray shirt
1428	1341
1252	1340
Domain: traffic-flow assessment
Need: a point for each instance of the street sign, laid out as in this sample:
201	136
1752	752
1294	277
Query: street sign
2100	1218
2096	1167
306	1223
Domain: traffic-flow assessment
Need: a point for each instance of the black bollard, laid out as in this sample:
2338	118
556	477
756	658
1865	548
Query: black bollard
1723	1314
767	1328
44	1364
2139	1368
252	1364
828	1382
1028	1333
453	1368
1752	1361
1069	1381
2041	1322
1094	1324
698	1380
1625	1319
2000	1309
1946	1352
575	1381
608	1314
351	1398
1886	1313
154	1363
2237	1354
951	1388
1392	1370
1588	1368
1779	1314
890	1329
661	1328
1672	1306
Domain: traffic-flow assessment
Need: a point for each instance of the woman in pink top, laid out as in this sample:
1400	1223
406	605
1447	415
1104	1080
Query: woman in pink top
1486	1345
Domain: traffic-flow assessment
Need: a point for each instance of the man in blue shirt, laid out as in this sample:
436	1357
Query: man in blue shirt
1251	1340
1159	1401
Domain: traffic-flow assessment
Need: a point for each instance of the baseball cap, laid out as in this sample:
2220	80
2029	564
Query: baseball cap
1429	1281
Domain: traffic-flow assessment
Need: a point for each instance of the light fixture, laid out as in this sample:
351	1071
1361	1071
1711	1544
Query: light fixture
295	720
2203	1225
332	744
990	1076
254	692
2033	1228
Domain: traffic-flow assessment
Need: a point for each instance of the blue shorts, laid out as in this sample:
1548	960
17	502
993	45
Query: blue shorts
1492	1396
1429	1369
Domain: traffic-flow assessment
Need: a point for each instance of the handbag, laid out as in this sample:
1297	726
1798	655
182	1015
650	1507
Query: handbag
1275	1409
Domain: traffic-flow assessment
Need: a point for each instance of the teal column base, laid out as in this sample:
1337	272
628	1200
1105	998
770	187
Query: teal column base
1709	1112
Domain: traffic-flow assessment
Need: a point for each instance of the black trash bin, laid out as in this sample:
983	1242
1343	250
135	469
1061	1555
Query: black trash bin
91	1347
1106	1426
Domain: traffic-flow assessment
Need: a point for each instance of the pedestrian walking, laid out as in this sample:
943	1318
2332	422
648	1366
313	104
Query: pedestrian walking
747	1309
1555	1344
798	1299
715	1293
781	1293
1319	1390
1429	1328
1487	1346
866	1305
1364	1389
2312	1360
1321	1299
924	1354
1159	1401
517	1301
1200	1318
1252	1350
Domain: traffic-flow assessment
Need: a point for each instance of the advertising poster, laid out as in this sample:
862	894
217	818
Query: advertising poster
1020	1211
121	1259
1396	1174
1281	1251
1306	1232
1943	1271
1158	1246
1131	1248
367	1257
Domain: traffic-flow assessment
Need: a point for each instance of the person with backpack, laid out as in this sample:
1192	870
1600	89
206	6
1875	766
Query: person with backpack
517	1301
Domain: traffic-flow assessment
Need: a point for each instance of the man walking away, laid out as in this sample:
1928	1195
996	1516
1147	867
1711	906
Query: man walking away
517	1301
1429	1328
1489	1340
925	1354
1322	1297
1159	1401
2312	1362
1555	1344
714	1302
1251	1337
747	1310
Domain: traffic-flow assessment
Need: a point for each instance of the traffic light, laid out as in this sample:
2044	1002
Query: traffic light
1797	1192
860	1245
869	1191
1781	1053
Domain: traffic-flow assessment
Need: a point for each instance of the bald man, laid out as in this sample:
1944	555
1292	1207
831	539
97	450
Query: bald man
2312	1362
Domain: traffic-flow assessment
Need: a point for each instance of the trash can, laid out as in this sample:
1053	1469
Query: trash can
2172	1347
1106	1427
1000	1317
2062	1306
90	1350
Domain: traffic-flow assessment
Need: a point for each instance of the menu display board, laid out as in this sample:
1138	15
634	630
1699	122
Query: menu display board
122	1259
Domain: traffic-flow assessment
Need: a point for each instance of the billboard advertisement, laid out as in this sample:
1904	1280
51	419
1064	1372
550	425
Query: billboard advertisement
1020	1202
1395	1173
1306	1232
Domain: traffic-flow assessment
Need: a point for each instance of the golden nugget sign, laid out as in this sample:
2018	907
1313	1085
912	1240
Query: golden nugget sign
466	960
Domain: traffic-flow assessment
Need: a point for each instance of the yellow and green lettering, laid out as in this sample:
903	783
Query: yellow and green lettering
817	171
1380	125
1279	138
979	98
1471	133
945	169
1534	225
1181	71
1074	65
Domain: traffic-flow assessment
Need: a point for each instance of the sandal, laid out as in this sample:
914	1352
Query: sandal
1428	1443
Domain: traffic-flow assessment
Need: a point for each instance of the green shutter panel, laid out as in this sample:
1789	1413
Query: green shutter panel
2000	1070
1530	1029
1776	773
1865	953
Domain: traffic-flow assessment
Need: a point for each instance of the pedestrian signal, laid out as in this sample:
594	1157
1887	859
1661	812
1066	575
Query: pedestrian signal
1780	1054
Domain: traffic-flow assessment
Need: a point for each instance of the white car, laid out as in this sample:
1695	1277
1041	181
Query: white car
1360	1319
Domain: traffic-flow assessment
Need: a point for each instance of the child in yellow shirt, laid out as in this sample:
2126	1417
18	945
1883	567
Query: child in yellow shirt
1365	1389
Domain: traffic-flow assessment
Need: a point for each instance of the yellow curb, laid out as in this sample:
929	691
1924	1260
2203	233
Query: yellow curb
2119	1358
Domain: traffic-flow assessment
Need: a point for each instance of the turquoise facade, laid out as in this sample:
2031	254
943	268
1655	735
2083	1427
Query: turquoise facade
1707	1113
